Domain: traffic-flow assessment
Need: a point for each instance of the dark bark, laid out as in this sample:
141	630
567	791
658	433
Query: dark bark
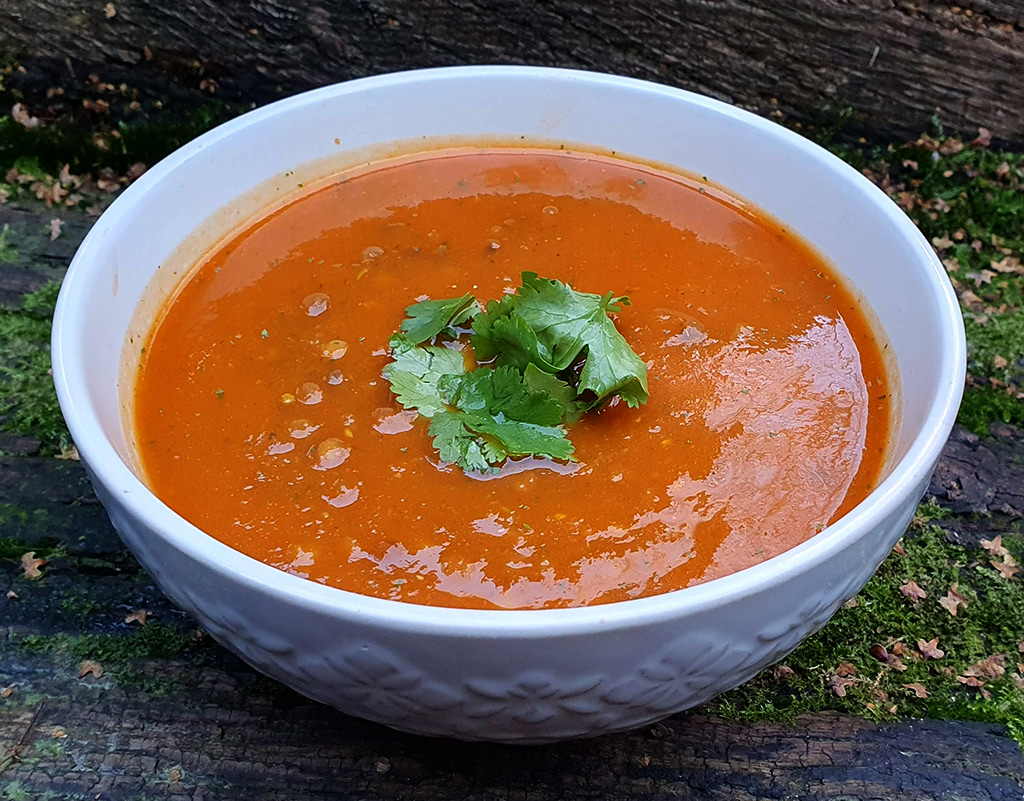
982	474
228	738
888	64
38	258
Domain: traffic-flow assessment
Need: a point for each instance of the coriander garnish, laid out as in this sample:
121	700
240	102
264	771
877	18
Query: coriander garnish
551	354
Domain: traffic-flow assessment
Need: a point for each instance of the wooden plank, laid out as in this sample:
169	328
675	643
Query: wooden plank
226	734
888	64
982	475
39	258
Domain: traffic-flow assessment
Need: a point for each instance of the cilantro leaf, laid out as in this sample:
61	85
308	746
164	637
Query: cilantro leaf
562	318
416	371
549	324
493	415
553	353
428	318
556	389
480	442
501	335
488	342
502	390
458	445
613	367
516	438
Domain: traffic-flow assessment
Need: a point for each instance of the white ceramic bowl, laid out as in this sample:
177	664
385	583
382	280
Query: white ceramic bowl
527	676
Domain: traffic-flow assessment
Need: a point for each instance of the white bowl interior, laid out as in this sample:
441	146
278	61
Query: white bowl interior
866	237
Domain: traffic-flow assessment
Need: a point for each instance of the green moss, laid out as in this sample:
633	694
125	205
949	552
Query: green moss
983	406
80	605
26	700
35	521
157	686
122	654
8	251
970	202
50	147
16	791
29	166
28	401
153	641
92	564
992	623
43	301
12	549
998	338
928	511
43	750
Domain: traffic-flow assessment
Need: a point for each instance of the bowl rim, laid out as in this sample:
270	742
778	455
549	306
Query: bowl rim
109	470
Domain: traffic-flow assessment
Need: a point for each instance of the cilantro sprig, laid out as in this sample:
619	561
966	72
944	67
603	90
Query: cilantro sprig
428	318
545	356
550	325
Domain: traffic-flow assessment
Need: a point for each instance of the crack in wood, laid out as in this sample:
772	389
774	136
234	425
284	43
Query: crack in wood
893	65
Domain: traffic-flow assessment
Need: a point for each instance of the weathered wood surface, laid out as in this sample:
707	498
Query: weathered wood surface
223	740
39	258
183	718
891	63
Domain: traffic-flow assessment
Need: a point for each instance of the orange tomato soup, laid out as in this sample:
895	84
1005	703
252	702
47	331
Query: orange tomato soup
261	415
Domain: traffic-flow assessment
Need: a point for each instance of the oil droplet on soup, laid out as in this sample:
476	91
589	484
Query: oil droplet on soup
334	349
769	405
309	394
329	454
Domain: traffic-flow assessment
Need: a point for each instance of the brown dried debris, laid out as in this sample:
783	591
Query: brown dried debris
995	546
989	668
137	616
30	565
930	649
90	667
918	689
1007	569
953	601
21	116
782	673
913	592
844	676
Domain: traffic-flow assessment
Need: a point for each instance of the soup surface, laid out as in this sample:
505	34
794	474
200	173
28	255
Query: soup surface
768	414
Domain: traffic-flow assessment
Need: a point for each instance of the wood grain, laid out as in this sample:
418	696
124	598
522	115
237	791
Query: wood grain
885	66
228	738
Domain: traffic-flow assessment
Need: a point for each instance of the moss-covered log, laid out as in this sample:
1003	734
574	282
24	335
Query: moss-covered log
887	64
